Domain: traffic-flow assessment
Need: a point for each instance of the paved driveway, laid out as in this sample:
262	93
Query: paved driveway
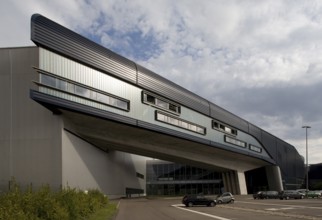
244	208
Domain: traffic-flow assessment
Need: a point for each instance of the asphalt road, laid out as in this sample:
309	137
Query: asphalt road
244	208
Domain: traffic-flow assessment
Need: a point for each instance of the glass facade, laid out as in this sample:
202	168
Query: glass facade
167	178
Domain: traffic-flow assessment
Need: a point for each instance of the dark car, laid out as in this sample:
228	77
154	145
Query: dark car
266	195
258	195
226	197
291	194
313	194
191	200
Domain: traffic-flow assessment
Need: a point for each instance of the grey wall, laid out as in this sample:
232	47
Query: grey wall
29	134
87	167
35	148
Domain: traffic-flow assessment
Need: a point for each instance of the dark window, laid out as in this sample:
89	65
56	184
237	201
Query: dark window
159	102
139	175
223	128
150	99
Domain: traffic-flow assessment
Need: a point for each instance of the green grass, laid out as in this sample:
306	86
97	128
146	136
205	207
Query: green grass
106	213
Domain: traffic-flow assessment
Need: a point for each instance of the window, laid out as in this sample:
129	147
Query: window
255	148
149	98
234	141
139	175
48	80
79	90
70	87
223	128
169	119
162	103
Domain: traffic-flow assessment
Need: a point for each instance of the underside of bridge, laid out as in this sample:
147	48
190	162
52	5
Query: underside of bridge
107	134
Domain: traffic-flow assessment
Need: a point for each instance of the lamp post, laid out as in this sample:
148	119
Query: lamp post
307	164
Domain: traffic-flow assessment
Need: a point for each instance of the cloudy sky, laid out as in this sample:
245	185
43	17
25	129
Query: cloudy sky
261	60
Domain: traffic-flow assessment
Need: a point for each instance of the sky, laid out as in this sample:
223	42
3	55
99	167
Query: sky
261	60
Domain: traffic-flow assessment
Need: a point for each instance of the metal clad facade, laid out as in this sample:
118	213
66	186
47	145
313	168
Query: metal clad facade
228	118
255	131
153	82
58	38
269	142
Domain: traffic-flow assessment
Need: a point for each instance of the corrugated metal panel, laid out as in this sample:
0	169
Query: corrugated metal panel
255	132
269	142
53	36
161	86
228	118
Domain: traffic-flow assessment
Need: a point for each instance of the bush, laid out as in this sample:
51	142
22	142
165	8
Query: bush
50	205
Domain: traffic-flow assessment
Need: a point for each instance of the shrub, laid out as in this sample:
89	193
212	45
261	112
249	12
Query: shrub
46	204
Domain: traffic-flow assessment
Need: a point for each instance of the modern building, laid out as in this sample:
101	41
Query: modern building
315	176
167	178
75	113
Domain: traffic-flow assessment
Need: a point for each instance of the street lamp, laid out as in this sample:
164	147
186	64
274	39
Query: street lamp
307	164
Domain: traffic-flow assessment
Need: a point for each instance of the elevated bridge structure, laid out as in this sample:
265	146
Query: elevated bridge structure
115	104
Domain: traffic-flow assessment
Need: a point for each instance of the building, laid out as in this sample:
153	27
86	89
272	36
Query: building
75	113
315	176
166	178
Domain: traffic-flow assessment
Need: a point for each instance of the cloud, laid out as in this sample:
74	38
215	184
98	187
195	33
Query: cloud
257	59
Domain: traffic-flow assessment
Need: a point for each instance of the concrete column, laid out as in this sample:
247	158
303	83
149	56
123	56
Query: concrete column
235	182
274	178
242	183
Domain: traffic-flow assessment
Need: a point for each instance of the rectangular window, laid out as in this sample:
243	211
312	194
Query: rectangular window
149	98
234	141
48	80
159	102
61	84
139	175
223	128
169	119
103	98
66	85
79	90
255	148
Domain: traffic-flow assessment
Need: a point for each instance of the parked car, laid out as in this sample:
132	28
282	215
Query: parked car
313	194
191	200
266	195
291	194
258	195
226	197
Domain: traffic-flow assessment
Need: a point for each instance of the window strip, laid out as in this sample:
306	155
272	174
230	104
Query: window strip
224	128
235	141
255	148
79	90
161	103
180	123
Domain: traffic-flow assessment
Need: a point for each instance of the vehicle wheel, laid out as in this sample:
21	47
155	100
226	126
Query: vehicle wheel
287	198
302	197
190	204
232	201
212	204
219	202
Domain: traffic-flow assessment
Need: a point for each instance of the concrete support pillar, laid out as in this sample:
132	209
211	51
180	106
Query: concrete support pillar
242	183
274	178
235	182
